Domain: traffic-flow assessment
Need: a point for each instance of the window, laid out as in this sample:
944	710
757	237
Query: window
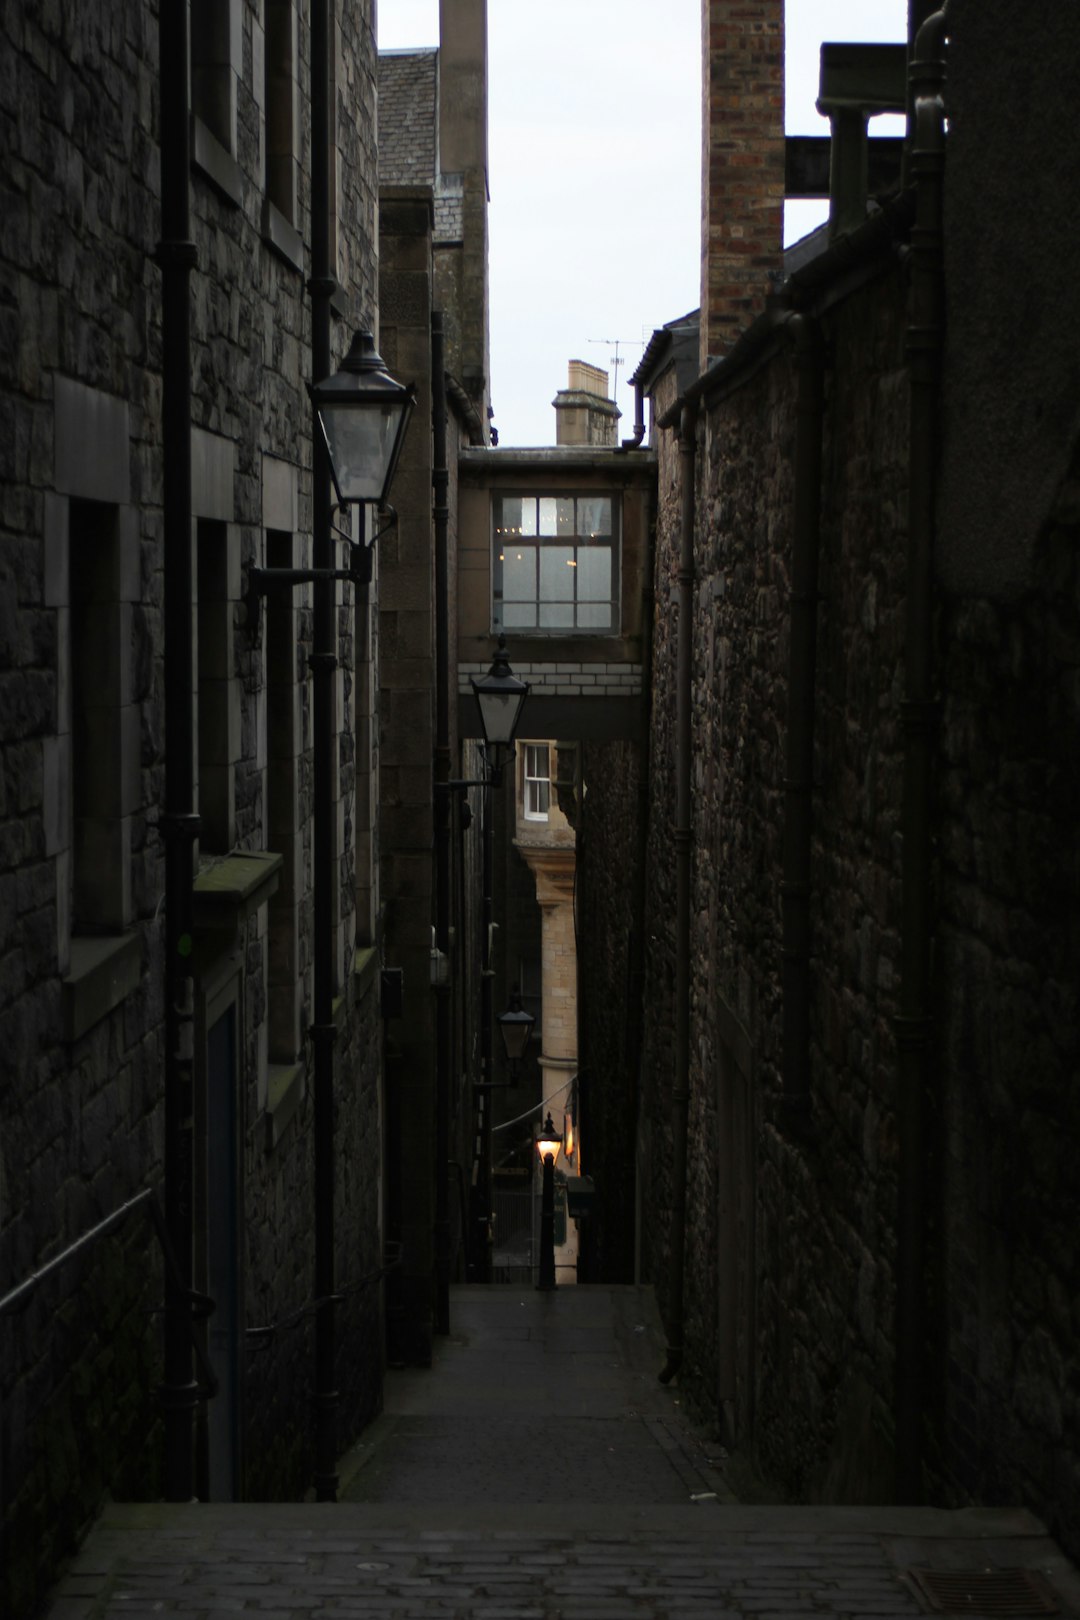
218	712
555	563
216	60
537	782
282	107
104	725
283	833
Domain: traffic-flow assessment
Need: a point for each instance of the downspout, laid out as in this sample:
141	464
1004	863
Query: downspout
919	714
799	771
180	823
323	663
440	479
635	1039
639	418
680	1095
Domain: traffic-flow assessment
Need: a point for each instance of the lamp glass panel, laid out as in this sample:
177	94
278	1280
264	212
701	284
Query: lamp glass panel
548	1147
361	444
515	1029
499	711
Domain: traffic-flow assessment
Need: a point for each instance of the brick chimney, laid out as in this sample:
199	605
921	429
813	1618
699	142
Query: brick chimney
742	170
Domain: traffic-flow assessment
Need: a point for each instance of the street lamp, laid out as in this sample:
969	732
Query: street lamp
360	416
515	1027
548	1143
500	697
364	414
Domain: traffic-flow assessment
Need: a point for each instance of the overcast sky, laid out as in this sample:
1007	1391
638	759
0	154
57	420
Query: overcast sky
595	163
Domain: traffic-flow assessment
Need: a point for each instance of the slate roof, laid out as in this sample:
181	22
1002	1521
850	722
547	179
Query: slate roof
408	117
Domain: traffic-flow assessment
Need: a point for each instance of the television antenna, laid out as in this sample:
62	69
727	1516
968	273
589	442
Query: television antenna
614	360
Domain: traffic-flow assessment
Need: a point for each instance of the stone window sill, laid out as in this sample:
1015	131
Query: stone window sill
210	159
230	888
281	237
284	1094
365	970
102	972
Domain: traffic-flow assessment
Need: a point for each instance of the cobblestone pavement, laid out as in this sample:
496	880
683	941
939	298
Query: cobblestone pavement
539	1472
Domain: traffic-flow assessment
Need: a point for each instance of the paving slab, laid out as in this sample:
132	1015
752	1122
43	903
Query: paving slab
539	1471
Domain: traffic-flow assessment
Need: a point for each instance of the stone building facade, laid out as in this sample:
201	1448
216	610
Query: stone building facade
82	1123
874	1292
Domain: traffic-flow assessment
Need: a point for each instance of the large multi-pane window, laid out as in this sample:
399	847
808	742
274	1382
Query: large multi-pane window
555	563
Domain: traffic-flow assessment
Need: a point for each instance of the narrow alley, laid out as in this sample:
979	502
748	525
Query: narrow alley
539	1470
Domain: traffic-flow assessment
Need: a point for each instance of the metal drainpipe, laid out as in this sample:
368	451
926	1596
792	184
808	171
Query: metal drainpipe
639	420
440	478
323	663
919	714
635	1034
180	824
802	661
680	1095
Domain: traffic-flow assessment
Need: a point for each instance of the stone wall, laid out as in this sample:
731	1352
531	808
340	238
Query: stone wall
791	1254
788	1293
81	995
610	1005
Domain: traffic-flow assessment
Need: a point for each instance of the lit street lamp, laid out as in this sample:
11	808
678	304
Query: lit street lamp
548	1143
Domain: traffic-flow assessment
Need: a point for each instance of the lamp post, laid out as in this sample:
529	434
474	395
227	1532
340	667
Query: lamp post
548	1143
500	698
361	416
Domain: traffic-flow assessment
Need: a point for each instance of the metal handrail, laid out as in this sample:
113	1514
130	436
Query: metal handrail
201	1305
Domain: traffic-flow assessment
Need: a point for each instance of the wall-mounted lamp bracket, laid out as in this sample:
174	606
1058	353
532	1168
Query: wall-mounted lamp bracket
262	580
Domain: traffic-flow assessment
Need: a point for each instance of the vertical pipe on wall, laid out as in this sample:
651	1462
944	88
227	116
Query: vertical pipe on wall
440	478
482	1233
176	256
680	1093
799	763
913	1025
323	663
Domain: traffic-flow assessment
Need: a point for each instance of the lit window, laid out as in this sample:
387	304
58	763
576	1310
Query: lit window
537	782
555	563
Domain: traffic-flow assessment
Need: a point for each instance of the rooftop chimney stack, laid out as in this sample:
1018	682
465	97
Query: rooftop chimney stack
742	190
583	412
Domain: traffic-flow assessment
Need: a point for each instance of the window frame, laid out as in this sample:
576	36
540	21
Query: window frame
575	541
530	779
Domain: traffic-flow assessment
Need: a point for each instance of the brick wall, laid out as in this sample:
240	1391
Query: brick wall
742	171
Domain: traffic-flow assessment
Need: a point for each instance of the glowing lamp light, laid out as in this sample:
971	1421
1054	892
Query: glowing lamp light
548	1143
